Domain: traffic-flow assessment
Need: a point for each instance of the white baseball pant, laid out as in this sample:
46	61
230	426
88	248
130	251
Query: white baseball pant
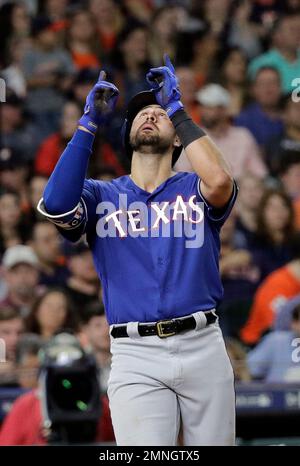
156	385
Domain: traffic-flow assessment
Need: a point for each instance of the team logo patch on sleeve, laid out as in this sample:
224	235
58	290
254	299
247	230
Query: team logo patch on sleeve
70	220
77	219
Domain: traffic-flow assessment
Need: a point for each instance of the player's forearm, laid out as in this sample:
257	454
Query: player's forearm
205	158
65	185
208	162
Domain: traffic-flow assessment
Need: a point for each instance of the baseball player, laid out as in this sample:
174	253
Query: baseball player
154	235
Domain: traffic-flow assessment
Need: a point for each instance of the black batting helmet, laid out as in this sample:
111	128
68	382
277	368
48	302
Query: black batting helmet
139	101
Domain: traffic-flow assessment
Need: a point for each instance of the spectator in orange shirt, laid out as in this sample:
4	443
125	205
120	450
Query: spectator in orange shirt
109	20
201	54
162	33
55	10
82	40
278	287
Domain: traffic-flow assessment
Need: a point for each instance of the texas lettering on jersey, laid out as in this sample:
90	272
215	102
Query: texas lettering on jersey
178	218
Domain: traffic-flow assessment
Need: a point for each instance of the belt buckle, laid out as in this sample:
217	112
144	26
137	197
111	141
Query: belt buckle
160	330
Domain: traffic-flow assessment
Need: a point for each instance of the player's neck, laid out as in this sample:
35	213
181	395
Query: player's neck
149	171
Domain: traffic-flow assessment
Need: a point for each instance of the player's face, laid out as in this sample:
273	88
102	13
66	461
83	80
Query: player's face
152	131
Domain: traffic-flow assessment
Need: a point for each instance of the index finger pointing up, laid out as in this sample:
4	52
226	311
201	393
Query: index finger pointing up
102	76
168	63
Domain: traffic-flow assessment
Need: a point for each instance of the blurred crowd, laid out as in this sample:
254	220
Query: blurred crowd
238	63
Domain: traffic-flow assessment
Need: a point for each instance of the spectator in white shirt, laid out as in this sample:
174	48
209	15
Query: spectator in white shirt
238	145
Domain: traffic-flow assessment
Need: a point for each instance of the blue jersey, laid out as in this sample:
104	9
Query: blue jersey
156	253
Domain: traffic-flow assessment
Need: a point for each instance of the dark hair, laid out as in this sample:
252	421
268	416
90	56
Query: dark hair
287	159
185	44
75	11
22	227
37	174
11	159
262	228
93	309
280	20
32	324
159	11
266	68
36	224
222	58
9	313
29	344
10	192
42	221
6	28
296	313
295	245
285	100
117	58
224	54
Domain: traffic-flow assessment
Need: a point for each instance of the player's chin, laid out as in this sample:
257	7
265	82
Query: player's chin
147	139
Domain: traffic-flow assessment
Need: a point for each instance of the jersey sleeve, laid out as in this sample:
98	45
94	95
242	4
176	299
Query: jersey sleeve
80	220
216	215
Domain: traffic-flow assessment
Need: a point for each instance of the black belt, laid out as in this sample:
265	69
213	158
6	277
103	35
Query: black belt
164	328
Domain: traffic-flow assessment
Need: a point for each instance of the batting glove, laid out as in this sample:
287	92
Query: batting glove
100	102
166	87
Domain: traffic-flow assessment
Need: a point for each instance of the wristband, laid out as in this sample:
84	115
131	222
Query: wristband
186	129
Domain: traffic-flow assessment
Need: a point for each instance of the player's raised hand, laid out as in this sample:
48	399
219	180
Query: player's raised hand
165	84
100	102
